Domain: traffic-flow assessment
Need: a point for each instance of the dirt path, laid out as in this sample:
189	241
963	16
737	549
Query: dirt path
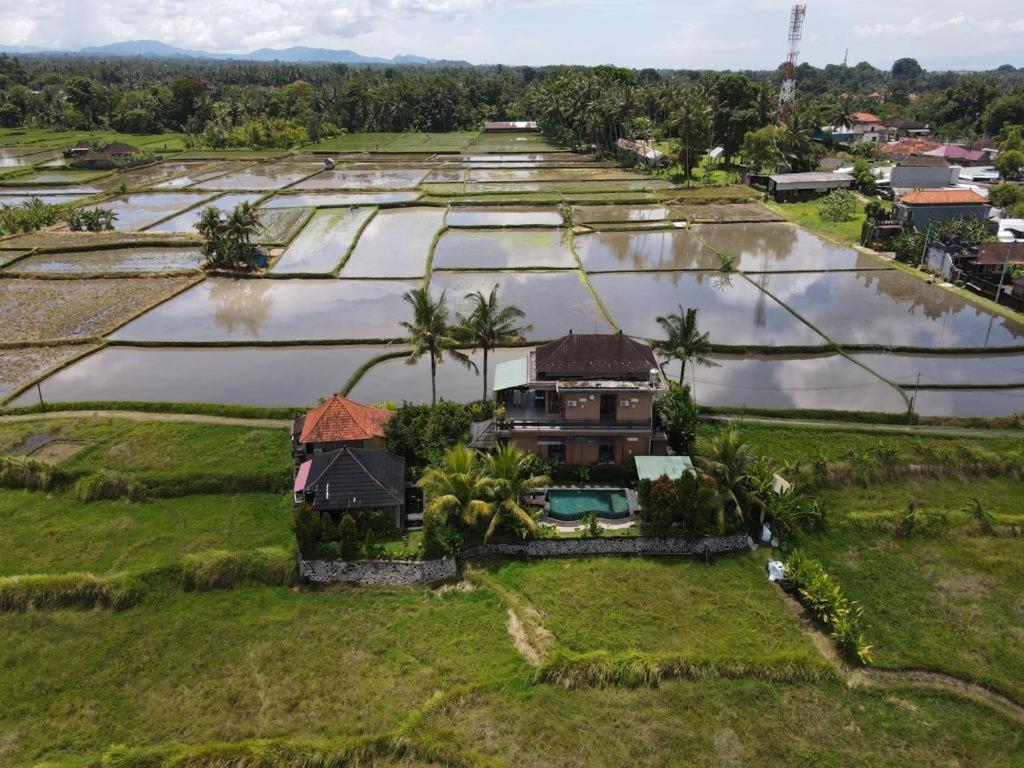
879	678
529	636
194	418
849	426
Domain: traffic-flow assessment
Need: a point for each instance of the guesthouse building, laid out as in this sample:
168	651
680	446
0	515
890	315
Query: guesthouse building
339	423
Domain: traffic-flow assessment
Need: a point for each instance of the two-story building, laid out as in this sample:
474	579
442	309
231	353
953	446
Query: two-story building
339	423
581	400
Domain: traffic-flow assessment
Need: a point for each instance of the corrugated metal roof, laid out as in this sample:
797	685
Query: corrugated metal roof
654	467
511	374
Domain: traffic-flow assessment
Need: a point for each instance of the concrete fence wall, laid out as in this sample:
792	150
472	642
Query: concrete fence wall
409	572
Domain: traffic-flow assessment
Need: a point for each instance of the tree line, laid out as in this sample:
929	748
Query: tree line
225	103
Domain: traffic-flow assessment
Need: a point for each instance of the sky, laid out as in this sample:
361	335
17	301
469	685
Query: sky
671	34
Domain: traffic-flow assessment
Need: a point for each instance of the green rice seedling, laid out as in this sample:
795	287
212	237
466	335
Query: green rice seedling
31	474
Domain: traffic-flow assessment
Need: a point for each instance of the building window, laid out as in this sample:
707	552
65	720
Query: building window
606	453
556	452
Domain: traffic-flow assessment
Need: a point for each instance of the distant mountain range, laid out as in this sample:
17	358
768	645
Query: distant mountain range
297	54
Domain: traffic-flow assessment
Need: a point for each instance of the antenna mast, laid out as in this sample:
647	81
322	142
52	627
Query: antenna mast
796	31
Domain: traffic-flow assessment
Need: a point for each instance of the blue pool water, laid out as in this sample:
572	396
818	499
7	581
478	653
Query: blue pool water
573	503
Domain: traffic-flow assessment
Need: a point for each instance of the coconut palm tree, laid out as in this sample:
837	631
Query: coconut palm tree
508	479
729	461
241	226
490	325
456	489
984	518
685	342
431	335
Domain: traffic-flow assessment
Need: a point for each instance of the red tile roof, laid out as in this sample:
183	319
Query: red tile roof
990	254
343	420
910	147
943	197
865	117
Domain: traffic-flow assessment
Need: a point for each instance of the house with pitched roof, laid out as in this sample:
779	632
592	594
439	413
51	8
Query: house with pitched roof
858	128
584	399
339	423
353	481
922	207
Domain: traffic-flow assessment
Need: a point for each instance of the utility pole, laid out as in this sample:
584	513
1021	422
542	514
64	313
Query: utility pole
788	93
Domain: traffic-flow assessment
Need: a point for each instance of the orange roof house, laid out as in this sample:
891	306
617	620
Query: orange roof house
864	117
924	207
339	422
943	197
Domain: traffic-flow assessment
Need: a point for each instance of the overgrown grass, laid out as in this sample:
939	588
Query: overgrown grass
600	669
947	602
47	592
716	723
228	666
806	215
679	607
170	458
202	409
223	569
41	533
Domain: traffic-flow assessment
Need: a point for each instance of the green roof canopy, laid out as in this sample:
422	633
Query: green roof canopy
511	374
653	467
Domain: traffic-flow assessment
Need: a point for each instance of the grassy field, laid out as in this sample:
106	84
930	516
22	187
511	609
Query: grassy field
162	451
727	610
806	215
40	533
950	603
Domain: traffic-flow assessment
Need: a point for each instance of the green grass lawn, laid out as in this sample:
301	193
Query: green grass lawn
248	663
806	215
952	603
163	451
40	533
722	723
659	605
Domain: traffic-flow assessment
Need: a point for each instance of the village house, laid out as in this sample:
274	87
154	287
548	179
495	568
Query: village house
339	423
511	126
959	154
644	152
584	399
922	207
353	481
114	155
923	172
900	128
859	128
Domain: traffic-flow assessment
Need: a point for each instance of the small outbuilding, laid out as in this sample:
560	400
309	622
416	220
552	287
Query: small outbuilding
795	186
510	126
655	467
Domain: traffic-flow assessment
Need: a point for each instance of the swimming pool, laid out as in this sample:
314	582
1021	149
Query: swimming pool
574	503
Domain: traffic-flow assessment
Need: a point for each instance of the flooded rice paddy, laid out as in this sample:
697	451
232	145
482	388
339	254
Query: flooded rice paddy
233	310
503	249
396	243
790	381
186	222
890	308
323	242
730	308
781	248
639	251
266	376
139	211
327	200
636	265
503	216
114	260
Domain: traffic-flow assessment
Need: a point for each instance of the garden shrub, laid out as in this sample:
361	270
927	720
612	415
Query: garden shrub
677	507
422	433
47	592
824	598
27	217
839	205
222	569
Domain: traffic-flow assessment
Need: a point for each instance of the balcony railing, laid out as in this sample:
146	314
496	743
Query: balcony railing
561	423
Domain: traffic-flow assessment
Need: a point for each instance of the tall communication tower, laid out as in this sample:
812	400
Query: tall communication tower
796	31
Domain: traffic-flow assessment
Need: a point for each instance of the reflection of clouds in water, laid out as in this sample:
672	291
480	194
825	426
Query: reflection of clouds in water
829	381
890	307
969	402
676	249
242	305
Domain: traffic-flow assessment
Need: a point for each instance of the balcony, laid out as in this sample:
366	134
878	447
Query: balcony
533	418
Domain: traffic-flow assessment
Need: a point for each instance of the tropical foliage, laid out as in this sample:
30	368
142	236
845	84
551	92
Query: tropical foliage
490	325
29	216
431	334
684	341
228	239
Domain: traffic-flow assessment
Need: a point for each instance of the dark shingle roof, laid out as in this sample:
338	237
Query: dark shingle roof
923	161
356	478
598	355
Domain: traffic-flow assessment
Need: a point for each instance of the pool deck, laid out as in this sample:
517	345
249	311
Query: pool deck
566	527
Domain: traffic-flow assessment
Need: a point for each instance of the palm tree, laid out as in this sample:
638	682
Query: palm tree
729	462
685	342
456	489
490	325
431	335
508	479
240	228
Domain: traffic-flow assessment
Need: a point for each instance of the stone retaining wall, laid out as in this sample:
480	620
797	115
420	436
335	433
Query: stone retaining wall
408	572
389	573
